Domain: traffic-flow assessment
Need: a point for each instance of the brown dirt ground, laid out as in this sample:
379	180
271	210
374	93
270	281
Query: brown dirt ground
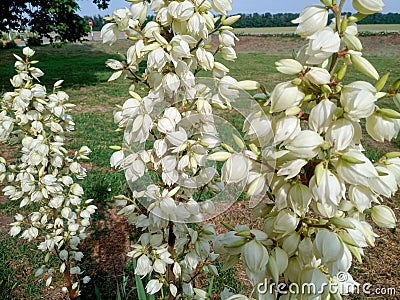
109	248
276	45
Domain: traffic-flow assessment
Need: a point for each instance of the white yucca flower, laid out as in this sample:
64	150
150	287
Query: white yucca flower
222	6
322	45
311	19
289	66
109	33
285	95
381	128
358	100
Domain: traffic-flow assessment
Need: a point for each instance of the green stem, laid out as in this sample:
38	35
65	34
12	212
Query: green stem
138	79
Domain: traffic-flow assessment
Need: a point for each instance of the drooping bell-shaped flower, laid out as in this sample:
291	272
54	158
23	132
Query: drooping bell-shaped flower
355	168
322	45
381	128
312	19
285	95
358	100
306	144
222	6
321	116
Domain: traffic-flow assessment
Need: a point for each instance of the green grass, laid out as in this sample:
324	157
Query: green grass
10	276
78	65
18	262
96	130
85	80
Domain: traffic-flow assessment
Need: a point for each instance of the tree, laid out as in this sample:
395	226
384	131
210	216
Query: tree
98	22
11	13
45	17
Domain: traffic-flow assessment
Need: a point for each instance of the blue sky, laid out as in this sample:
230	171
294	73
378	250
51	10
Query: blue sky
239	6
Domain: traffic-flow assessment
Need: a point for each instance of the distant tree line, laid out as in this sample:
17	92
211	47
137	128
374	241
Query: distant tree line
273	20
389	18
284	19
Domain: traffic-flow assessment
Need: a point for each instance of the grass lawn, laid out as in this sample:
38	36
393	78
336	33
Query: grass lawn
82	66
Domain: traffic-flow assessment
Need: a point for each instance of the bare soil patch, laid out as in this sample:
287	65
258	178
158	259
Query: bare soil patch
5	223
7	152
381	266
109	250
105	250
91	108
379	45
382	45
384	147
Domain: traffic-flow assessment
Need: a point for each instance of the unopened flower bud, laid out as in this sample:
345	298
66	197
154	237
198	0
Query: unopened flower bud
368	7
364	66
289	66
231	20
352	42
381	82
327	3
318	76
383	216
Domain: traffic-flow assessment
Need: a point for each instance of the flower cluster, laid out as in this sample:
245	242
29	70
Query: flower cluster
322	186
170	177
301	158
43	177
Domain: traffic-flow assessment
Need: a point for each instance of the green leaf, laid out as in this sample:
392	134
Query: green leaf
118	297
97	292
210	288
389	113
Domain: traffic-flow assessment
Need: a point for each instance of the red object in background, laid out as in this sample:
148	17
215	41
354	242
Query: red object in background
90	23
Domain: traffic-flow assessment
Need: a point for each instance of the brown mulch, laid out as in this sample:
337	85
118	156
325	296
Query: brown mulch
381	264
108	245
8	152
